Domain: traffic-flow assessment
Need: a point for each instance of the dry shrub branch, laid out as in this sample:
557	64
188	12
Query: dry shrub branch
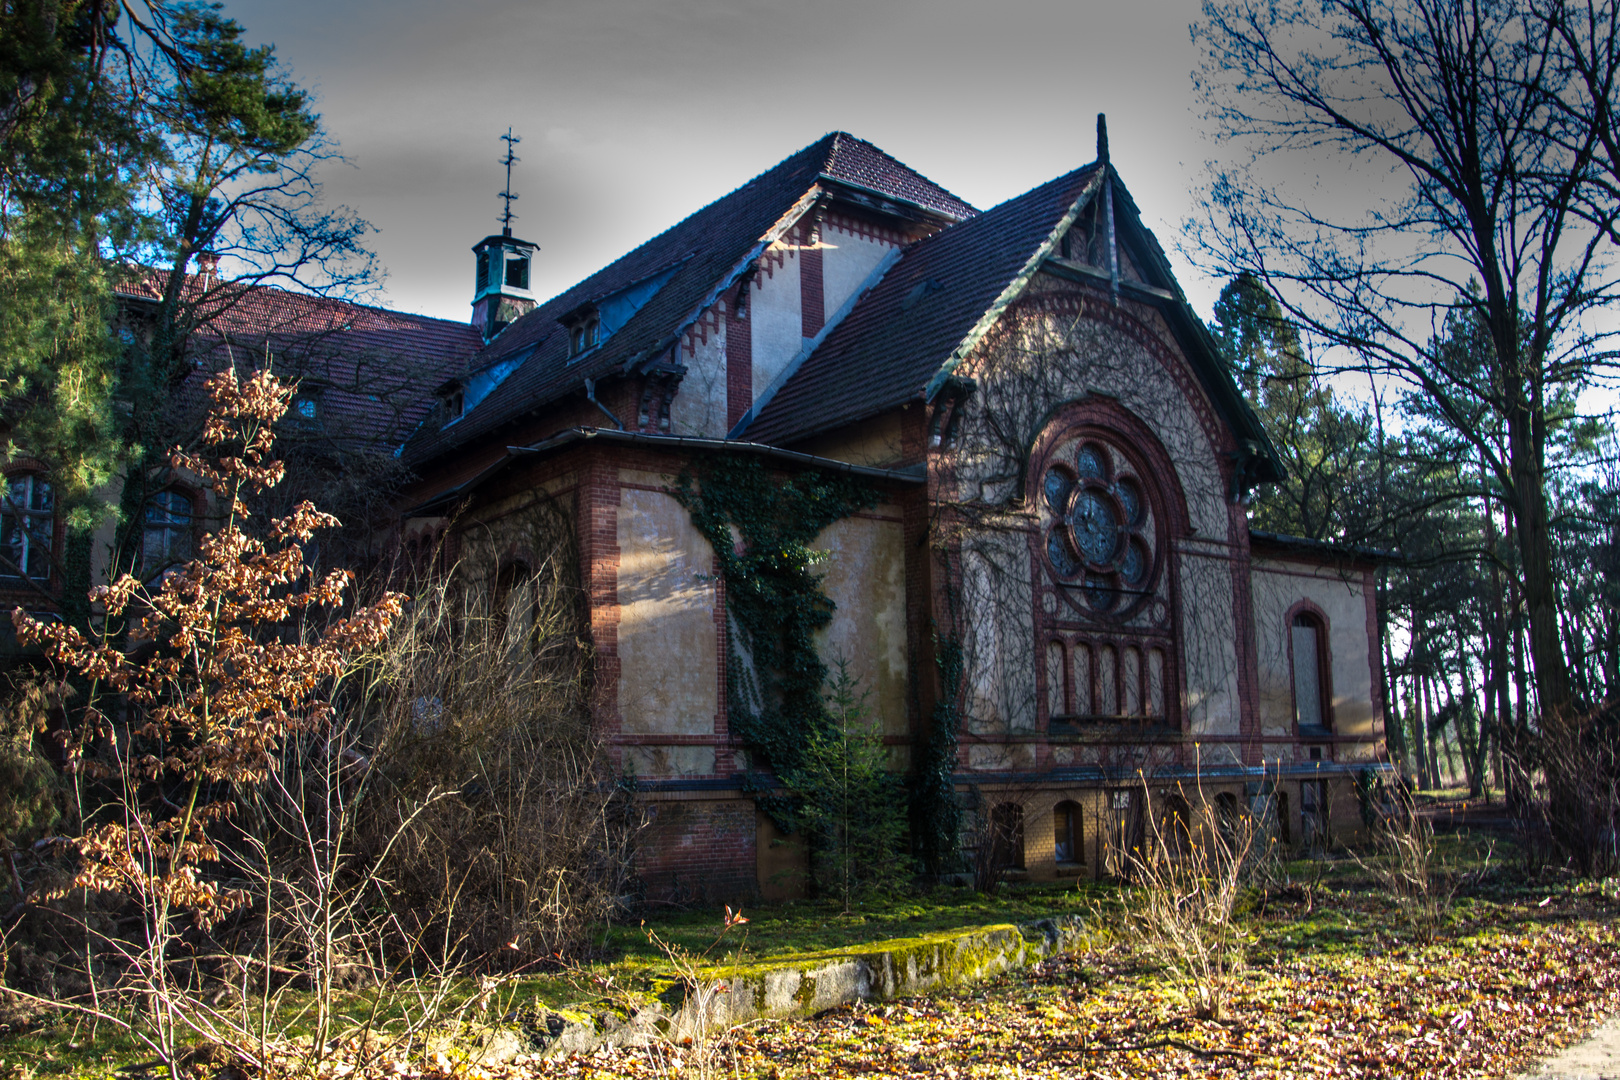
196	681
481	694
1185	883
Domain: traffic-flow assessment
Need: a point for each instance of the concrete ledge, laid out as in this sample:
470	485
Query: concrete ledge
814	982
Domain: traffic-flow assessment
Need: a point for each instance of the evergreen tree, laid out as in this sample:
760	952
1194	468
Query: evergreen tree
853	808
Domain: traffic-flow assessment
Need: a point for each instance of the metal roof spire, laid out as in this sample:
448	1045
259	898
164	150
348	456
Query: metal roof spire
507	217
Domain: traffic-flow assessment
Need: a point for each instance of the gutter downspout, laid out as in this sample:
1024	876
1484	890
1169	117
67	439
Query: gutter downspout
590	396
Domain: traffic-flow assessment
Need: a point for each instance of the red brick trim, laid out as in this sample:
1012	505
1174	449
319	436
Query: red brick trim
812	304
1375	656
1247	650
739	360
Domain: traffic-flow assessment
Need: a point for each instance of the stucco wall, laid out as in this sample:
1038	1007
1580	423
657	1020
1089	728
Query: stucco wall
1340	597
667	639
1209	640
777	331
699	408
998	639
848	258
865	575
875	442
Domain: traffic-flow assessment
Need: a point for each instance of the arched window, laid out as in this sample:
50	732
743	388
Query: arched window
1175	825
1308	655
1068	834
1104	507
1007	836
27	528
165	530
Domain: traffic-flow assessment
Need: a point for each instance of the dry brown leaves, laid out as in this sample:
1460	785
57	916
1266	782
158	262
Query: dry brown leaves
1481	1007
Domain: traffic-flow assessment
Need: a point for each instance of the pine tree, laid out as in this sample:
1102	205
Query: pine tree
853	807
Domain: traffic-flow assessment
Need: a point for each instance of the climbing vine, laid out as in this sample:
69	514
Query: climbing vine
935	813
761	525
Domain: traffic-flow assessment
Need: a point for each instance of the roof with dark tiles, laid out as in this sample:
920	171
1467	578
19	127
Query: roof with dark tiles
375	369
715	243
897	337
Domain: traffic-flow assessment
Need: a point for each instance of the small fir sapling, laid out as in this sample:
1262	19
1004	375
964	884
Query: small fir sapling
853	807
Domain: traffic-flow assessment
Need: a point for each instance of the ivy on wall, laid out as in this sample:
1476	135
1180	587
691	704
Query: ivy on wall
935	813
761	525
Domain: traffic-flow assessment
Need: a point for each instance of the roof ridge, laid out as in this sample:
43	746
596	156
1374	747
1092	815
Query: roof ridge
282	291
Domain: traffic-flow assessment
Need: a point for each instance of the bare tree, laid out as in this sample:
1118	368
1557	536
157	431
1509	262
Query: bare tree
1486	147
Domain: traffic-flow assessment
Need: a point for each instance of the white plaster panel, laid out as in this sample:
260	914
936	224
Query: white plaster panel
1276	587
667	637
774	309
847	260
1001	757
669	760
1209	646
865	575
699	408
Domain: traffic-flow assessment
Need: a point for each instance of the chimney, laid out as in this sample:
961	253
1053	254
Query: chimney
207	269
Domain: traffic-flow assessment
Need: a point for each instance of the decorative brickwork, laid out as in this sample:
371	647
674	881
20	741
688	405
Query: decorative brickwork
739	359
812	304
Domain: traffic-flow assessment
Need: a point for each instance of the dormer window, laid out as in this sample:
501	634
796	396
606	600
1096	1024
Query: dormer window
452	397
584	332
305	412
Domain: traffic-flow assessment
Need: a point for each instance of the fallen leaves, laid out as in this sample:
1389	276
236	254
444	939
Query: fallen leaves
1475	1006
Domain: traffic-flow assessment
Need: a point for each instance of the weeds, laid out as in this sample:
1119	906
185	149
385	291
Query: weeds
1405	860
1185	882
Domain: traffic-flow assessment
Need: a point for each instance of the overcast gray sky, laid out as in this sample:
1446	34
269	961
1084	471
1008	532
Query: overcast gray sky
634	113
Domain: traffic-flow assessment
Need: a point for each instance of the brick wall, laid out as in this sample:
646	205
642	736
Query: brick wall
700	851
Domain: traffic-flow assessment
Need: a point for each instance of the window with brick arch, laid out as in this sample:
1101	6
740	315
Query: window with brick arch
165	530
1104	580
27	528
1308	657
1068	834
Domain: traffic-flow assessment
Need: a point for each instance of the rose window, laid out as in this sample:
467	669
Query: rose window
1099	530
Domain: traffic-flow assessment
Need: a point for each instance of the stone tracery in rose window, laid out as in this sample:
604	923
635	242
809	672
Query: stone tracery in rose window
1101	534
1105	603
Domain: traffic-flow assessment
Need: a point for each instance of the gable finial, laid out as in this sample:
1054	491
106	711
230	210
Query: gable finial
1102	138
507	217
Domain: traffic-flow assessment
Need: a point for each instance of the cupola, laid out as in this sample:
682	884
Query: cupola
501	293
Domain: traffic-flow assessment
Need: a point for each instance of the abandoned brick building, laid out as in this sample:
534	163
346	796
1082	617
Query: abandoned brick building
1061	464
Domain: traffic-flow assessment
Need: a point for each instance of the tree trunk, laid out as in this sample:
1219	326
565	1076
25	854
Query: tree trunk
1429	733
1420	733
1535	554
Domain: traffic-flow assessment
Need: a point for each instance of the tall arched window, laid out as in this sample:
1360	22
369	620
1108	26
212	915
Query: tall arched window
27	528
1309	657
